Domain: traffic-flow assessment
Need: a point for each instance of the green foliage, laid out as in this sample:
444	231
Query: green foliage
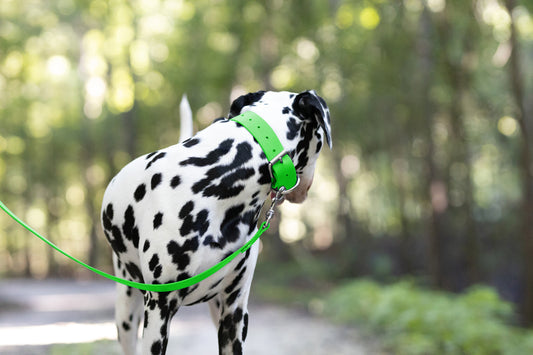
418	321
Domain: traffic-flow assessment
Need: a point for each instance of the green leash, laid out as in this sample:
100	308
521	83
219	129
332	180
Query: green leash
284	178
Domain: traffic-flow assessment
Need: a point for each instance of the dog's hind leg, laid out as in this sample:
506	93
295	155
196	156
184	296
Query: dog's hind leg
128	313
159	308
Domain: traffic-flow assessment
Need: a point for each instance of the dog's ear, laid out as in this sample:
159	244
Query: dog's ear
309	106
243	101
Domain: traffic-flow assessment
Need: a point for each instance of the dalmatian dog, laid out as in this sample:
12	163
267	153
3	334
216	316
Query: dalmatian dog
173	213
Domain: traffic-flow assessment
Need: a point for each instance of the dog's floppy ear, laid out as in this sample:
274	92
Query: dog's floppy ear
242	101
309	106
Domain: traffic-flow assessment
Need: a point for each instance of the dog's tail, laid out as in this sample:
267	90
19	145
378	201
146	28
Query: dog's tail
185	119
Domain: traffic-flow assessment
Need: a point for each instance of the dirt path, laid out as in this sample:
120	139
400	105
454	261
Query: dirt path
73	317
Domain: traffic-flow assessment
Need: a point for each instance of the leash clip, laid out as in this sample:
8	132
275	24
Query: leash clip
270	213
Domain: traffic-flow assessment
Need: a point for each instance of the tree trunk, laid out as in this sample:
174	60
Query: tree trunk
434	186
524	117
87	154
458	75
353	243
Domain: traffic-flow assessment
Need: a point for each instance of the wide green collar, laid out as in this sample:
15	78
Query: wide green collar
281	167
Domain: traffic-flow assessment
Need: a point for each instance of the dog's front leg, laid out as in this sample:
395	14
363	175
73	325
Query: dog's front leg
233	325
158	312
232	304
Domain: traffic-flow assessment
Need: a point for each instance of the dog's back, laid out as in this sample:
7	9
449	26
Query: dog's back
181	209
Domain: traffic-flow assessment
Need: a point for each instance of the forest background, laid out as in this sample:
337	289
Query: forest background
430	178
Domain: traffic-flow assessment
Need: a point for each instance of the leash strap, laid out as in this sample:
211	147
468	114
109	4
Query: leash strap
142	286
284	178
282	168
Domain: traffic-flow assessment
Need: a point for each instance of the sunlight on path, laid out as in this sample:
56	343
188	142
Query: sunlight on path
65	333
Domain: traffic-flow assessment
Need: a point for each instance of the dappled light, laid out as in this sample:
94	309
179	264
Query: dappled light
62	333
429	179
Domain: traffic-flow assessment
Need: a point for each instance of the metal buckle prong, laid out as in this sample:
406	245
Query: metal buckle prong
277	158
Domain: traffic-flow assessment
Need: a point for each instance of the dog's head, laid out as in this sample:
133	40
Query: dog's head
304	121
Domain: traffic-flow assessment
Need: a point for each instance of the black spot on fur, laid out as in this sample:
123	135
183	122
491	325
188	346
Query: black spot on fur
293	127
157	271
156	347
198	223
227	187
303	146
134	271
156	180
212	157
237	315
125	326
244	100
154	261
318	147
233	297
241	263
250	219
154	266
145	319
156	158
235	282
179	253
184	291
106	220
206	298
146	245
264	175
229	226
226	331
210	241
176	180
191	142
139	193
186	209
109	211
117	243
216	284
158	220
245	328
151	155
131	232
237	347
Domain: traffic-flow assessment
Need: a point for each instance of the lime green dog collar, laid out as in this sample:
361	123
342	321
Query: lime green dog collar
281	167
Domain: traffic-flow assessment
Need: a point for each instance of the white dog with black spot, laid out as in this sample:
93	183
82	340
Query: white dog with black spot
174	213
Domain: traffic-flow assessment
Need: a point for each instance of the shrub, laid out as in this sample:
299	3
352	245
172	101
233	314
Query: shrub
417	321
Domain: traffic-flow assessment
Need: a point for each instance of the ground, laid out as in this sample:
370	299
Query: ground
76	317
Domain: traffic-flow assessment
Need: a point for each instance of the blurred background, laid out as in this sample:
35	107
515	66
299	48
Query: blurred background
421	215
